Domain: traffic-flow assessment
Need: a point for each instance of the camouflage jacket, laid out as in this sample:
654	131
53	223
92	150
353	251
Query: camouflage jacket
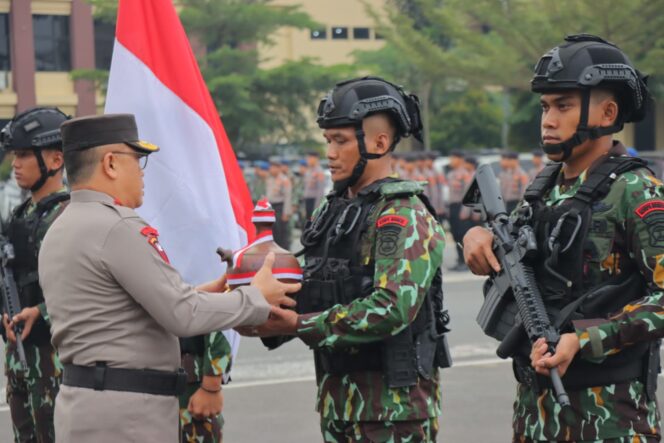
215	361
401	281
633	216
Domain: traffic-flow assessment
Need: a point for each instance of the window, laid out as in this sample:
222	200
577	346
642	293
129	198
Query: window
339	33
319	34
52	47
4	43
104	39
361	33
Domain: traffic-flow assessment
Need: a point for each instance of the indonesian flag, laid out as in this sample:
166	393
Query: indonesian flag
195	193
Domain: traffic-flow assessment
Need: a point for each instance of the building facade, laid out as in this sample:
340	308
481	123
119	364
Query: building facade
41	42
346	26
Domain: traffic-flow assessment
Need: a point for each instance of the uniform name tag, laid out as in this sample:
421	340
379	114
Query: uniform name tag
649	207
398	220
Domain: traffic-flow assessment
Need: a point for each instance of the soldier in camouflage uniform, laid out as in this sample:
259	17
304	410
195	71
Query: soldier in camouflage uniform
598	217
258	182
371	303
34	138
205	359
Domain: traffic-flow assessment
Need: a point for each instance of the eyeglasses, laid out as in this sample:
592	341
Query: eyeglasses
142	158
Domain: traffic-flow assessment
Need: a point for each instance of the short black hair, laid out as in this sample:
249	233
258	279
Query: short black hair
80	164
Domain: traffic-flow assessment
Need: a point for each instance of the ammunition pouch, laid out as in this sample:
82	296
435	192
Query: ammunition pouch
30	294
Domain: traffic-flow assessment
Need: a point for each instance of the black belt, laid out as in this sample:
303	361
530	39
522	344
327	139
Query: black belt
146	381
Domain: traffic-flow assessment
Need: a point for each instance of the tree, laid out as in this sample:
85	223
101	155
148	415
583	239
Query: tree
496	43
258	106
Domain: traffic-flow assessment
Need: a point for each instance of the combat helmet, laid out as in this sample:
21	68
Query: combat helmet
35	129
585	62
351	101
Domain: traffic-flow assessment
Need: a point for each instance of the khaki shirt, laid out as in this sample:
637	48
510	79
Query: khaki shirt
513	183
279	190
314	183
458	180
113	297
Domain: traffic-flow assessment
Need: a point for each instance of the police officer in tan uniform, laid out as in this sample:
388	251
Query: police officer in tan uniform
116	304
538	164
513	180
458	180
279	189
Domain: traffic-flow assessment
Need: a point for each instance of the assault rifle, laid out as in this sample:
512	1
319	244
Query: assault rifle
10	302
514	246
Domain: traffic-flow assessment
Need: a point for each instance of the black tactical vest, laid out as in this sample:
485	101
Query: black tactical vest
24	231
334	274
560	268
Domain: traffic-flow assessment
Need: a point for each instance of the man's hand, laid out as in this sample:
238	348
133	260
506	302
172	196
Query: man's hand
10	332
272	289
542	360
205	404
478	251
285	217
280	322
218	285
28	316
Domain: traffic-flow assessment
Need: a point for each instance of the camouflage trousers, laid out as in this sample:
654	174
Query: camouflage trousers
632	439
411	431
31	395
192	430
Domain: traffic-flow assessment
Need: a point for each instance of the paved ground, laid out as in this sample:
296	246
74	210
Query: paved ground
271	398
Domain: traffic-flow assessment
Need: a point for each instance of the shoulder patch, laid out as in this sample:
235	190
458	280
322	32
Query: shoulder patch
397	220
649	207
152	236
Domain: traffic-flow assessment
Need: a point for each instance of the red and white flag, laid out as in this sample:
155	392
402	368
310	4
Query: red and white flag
195	193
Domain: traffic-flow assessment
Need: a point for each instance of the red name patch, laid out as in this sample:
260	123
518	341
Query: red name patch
648	207
399	220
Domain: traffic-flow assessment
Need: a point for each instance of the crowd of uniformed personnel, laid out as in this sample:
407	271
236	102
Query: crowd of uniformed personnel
101	317
295	187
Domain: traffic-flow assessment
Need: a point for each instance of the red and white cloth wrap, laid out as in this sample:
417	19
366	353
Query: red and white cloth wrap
263	212
244	278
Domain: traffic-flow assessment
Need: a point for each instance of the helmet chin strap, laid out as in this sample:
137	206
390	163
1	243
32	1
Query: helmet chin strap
45	173
583	132
361	164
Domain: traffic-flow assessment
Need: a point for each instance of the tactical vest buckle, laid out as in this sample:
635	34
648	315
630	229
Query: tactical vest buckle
555	233
339	229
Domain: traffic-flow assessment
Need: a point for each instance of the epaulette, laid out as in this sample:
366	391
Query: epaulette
122	211
401	188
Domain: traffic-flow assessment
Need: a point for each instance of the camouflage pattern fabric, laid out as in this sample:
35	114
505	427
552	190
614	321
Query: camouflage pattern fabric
216	361
408	431
406	256
31	395
628	223
632	439
257	187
